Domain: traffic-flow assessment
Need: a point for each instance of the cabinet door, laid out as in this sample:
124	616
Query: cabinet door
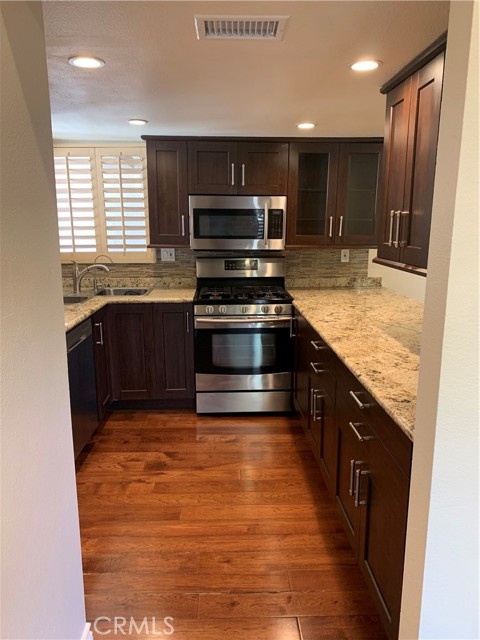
173	328
100	331
263	168
302	371
384	496
212	167
421	160
357	194
312	186
131	347
328	434
167	193
395	166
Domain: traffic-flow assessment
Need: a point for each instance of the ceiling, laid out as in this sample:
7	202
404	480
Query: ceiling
156	69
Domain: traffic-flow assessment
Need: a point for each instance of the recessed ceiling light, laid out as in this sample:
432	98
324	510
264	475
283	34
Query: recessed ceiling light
306	125
138	121
365	65
86	62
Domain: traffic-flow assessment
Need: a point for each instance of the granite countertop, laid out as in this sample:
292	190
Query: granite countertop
377	334
76	313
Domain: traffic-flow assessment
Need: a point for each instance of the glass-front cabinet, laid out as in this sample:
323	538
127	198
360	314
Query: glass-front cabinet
333	194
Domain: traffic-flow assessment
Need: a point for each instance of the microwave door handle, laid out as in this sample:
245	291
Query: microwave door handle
265	226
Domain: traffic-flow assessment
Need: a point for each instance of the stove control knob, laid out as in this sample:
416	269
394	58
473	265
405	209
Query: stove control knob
244	309
278	309
265	308
209	309
222	309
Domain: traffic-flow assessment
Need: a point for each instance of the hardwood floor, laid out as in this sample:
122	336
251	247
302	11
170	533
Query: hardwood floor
221	523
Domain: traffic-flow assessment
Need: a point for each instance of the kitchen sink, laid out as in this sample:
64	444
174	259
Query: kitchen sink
74	299
124	291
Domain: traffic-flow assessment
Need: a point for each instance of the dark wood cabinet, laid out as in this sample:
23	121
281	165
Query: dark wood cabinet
243	168
411	135
167	193
173	329
132	357
100	332
333	193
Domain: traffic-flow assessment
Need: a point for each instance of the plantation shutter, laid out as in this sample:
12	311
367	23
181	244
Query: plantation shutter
74	179
123	199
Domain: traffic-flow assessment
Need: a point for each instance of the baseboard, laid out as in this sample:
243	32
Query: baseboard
87	633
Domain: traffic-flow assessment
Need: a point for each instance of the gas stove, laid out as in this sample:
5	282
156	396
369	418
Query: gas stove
241	286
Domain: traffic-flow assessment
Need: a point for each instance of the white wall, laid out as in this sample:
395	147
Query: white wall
442	601
408	284
42	589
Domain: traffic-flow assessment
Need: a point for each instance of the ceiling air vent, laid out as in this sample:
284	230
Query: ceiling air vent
240	27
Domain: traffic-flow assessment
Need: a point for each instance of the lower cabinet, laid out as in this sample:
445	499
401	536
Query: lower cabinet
365	461
144	352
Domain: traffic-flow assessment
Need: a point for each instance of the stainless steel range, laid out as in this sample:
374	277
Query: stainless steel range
243	335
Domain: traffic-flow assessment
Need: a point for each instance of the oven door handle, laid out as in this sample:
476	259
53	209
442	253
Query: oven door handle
243	323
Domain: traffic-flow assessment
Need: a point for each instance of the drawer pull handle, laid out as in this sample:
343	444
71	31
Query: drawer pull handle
353	426
317	346
314	367
357	400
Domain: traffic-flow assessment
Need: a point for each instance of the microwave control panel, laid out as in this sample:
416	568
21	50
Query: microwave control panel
275	224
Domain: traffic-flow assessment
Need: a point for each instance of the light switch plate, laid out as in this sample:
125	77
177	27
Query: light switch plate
345	255
167	255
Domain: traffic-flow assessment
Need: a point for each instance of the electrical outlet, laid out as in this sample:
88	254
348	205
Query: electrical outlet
167	255
345	255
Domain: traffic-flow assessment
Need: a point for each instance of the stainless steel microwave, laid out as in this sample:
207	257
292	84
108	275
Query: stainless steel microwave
237	222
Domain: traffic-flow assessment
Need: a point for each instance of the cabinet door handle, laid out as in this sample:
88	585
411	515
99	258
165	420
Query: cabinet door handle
397	231
352	477
243	174
314	367
183	225
358	481
187	319
340	228
403	240
330	229
390	233
100	326
232	179
316	395
311	401
359	402
292	330
317	346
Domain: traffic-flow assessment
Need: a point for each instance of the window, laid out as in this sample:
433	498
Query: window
101	204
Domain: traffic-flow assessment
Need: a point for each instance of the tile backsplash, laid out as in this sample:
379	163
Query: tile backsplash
306	268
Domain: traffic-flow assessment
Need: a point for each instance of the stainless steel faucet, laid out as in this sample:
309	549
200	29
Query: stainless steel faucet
79	275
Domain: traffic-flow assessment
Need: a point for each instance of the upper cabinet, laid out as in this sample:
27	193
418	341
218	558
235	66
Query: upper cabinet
167	193
411	135
333	193
243	168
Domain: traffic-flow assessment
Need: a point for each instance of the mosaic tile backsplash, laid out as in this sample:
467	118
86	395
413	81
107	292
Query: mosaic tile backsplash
306	269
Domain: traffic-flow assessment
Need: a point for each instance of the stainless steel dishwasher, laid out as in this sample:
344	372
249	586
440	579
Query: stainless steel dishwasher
81	378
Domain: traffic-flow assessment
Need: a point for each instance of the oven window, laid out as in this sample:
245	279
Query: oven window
244	350
228	223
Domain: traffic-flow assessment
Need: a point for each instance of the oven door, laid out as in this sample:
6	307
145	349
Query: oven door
243	354
237	222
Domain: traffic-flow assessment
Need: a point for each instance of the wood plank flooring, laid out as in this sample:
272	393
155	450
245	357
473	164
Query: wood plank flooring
221	523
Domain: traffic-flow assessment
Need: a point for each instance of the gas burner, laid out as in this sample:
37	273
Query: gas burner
215	293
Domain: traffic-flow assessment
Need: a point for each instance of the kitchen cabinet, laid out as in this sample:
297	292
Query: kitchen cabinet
173	329
411	134
100	331
314	396
132	360
333	193
167	193
242	168
373	472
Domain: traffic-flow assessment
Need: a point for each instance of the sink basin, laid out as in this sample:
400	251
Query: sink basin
124	291
74	299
